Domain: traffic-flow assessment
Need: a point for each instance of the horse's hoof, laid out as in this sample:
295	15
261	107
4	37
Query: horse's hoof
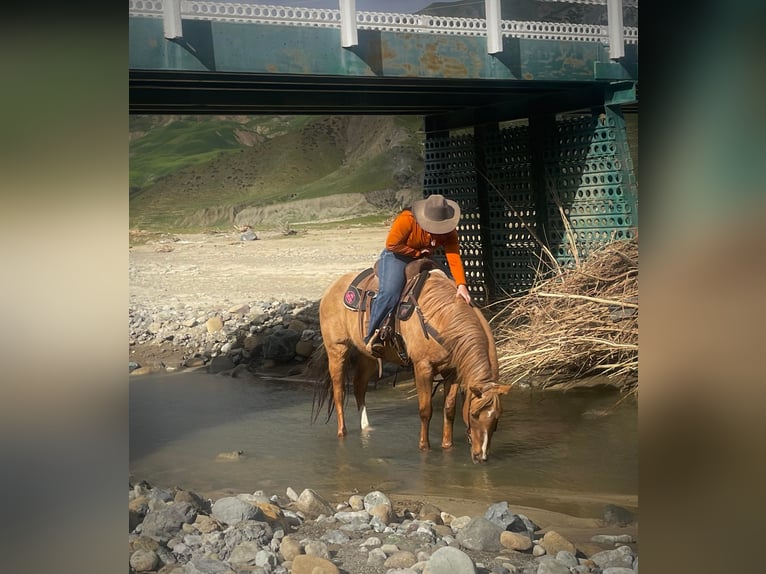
447	445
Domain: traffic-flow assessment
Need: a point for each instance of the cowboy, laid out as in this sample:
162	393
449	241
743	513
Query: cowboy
414	234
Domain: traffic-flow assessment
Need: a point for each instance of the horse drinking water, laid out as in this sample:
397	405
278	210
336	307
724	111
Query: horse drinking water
445	336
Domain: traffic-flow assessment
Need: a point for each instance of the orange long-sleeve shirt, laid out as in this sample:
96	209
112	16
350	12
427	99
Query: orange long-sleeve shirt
407	238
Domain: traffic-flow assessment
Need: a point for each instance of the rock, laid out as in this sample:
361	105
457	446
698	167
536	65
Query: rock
554	543
134	519
374	498
317	548
206	524
431	513
549	565
280	346
515	541
266	559
289	548
298	326
229	456
621	557
499	514
371	542
313	505
449	560
248	235
400	559
356	502
352	515
164	522
258	544
214	324
618	515
206	566
308	334
612	538
460	522
480	534
273	515
566	558
144	560
244	553
306	564
304	348
521	524
382	512
231	510
335	537
251	342
220	364
194	362
241	310
192	498
376	557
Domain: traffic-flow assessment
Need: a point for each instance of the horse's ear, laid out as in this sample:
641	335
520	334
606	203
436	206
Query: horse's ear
499	389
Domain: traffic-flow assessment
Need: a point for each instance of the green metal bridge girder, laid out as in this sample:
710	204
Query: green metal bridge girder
264	48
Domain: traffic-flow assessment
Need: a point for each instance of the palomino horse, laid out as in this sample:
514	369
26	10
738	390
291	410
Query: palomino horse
460	348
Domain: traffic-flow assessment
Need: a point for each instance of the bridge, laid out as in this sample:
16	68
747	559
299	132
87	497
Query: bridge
547	162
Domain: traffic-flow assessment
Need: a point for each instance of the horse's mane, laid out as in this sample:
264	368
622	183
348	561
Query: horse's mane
458	326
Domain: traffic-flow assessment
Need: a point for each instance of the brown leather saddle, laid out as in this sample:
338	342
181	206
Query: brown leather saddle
363	288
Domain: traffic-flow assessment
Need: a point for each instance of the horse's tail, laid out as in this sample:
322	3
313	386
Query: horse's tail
318	371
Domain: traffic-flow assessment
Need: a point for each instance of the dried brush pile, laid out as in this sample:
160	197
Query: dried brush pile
574	325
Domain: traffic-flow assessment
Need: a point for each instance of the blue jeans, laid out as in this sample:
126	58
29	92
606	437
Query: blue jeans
391	282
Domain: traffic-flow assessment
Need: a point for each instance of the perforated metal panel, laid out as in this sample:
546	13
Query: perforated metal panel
587	171
512	210
450	170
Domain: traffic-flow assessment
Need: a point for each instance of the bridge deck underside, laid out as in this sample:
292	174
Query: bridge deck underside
229	67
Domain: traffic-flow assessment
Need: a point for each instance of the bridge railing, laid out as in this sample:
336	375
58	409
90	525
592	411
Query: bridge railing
384	21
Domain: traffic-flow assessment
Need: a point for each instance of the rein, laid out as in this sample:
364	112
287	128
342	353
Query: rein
412	292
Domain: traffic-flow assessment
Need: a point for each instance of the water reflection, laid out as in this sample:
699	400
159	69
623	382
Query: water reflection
552	450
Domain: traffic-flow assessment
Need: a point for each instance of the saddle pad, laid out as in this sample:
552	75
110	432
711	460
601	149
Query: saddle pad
353	295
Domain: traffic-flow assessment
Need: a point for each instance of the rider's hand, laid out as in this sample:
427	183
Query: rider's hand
462	291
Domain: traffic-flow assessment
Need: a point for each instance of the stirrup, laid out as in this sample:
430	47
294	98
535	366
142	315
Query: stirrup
375	346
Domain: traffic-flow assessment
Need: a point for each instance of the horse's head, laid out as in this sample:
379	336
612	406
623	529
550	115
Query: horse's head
481	410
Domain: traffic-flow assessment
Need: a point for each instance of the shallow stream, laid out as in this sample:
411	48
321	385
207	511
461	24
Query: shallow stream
569	452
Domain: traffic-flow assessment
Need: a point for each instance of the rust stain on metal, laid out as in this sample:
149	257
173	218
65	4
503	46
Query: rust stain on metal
387	52
442	65
410	70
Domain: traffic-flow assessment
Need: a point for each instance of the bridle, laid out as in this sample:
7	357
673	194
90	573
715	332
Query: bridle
494	402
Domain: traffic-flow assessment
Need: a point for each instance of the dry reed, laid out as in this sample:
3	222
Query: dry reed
579	324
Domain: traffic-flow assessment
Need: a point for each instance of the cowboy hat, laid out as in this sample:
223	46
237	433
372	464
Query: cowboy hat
436	214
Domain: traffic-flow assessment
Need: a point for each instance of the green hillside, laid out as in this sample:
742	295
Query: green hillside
188	171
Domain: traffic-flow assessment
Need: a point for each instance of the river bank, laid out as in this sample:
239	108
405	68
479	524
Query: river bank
176	531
